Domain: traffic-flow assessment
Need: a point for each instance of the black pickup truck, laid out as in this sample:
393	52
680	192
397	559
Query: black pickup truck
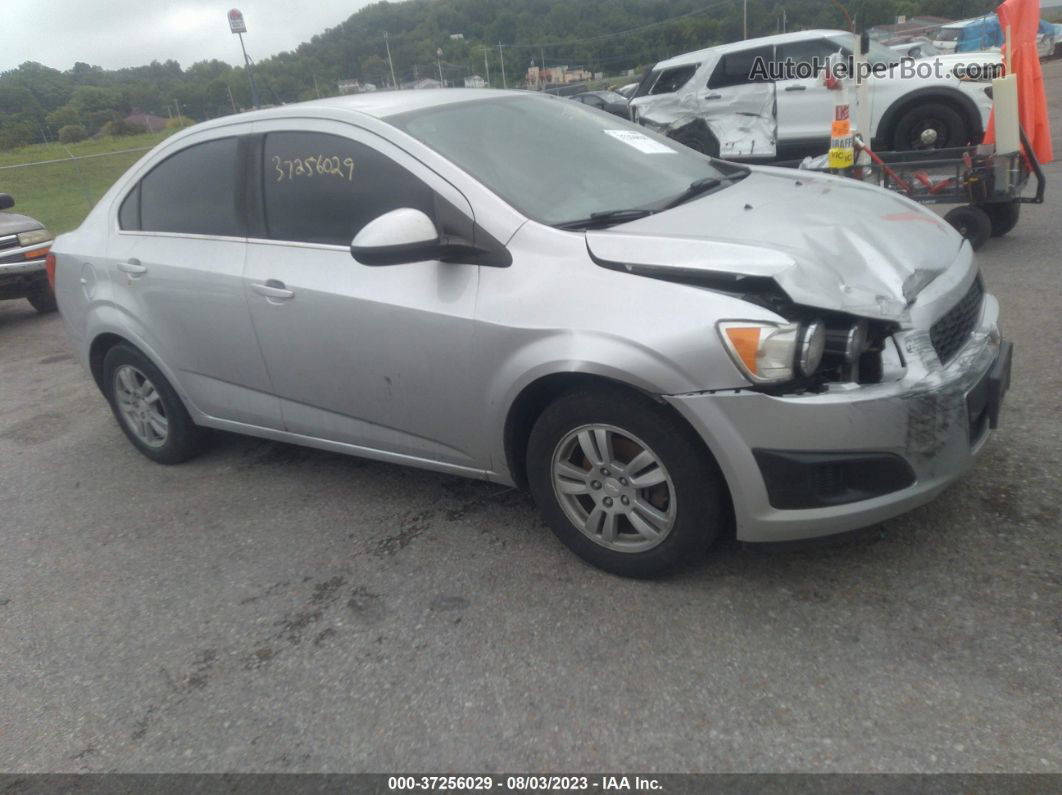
24	245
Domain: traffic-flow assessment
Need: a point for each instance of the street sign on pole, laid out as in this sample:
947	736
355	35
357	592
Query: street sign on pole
236	23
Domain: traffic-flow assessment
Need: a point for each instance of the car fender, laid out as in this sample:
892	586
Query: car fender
106	317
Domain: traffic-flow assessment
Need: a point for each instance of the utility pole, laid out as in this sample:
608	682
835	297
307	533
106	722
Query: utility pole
177	104
501	55
231	98
390	63
438	62
315	88
783	19
486	66
745	19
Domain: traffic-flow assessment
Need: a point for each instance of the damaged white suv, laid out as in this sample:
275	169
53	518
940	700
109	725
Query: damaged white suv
718	102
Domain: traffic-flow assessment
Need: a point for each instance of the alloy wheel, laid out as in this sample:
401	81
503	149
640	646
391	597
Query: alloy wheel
613	488
141	406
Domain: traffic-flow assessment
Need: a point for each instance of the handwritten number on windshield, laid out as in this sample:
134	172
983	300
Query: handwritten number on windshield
288	170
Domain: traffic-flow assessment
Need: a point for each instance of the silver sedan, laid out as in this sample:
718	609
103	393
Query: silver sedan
663	347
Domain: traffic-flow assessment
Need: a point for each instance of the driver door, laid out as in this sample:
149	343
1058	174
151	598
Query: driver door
377	357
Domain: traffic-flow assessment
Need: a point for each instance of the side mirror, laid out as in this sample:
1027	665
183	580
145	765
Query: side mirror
400	236
6	201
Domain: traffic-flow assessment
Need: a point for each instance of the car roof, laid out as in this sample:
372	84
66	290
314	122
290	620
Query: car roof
699	56
376	104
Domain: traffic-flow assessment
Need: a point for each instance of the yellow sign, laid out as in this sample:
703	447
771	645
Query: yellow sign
841	158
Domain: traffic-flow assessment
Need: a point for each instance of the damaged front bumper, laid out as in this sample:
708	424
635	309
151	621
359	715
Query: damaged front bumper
812	465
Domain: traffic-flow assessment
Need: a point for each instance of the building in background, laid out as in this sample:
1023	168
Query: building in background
148	121
475	81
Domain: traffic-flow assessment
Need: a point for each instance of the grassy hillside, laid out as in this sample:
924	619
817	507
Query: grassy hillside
60	194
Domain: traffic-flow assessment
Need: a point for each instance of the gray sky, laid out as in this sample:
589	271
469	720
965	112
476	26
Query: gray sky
117	33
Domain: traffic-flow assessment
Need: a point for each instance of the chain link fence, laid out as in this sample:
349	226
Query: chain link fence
60	192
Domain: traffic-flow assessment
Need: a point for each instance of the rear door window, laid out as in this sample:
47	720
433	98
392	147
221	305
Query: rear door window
321	188
191	192
736	68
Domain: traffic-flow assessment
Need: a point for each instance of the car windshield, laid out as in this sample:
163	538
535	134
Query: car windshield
557	161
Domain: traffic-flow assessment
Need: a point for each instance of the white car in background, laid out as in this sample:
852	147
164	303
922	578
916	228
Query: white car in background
708	100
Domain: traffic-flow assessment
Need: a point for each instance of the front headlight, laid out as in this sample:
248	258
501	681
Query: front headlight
33	237
772	353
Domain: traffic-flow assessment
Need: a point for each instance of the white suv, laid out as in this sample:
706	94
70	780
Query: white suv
714	101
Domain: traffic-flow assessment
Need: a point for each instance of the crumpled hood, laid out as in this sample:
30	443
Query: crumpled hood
830	243
10	223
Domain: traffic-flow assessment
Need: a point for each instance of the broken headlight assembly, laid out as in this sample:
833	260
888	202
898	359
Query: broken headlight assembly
773	353
807	353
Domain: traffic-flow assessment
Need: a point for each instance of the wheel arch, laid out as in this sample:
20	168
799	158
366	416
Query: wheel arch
956	100
697	128
108	336
536	396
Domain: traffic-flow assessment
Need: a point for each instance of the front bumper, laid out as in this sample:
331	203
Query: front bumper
22	279
933	418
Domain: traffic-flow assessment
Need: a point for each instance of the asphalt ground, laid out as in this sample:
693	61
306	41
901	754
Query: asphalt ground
272	608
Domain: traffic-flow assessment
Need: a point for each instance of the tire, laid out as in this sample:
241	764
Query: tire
950	128
44	301
124	367
972	223
683	484
699	141
1003	215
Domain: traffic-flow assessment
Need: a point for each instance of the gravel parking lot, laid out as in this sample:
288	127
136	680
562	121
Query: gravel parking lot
273	608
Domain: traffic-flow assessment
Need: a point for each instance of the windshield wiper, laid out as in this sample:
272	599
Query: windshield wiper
697	188
605	218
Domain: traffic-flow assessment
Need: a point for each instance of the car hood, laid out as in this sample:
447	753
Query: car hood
951	59
10	223
828	242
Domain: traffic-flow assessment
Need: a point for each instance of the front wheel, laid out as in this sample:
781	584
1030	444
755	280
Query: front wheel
44	301
624	483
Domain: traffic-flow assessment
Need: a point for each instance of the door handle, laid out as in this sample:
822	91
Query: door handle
713	96
796	88
132	267
273	288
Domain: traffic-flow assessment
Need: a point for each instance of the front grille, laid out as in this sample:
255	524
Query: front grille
950	333
10	241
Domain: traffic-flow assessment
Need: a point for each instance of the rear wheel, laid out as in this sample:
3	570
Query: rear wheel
624	483
148	409
972	223
933	125
1003	215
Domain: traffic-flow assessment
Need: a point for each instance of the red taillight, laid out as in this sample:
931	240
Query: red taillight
49	268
